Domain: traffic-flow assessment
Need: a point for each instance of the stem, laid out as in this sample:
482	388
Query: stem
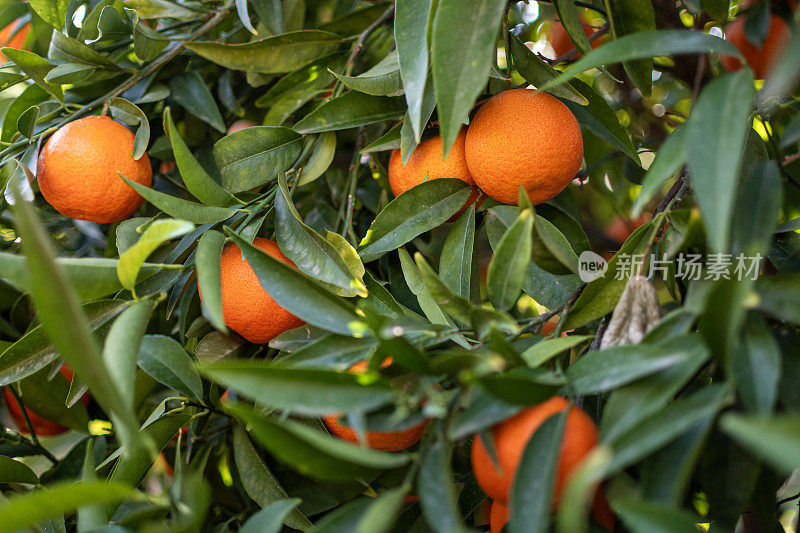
351	60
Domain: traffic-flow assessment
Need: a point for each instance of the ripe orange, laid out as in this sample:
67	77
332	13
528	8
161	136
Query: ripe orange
498	517
240	125
77	170
523	137
247	308
41	425
426	163
620	228
387	441
761	59
559	40
511	437
12	38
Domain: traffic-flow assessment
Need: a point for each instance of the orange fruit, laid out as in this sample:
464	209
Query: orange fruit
10	37
761	59
560	41
620	228
247	307
511	437
498	517
426	163
42	426
523	137
601	511
240	125
387	441
77	170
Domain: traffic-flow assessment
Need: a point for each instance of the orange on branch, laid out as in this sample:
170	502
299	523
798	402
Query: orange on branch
79	166
523	137
498	516
760	58
387	441
247	307
511	437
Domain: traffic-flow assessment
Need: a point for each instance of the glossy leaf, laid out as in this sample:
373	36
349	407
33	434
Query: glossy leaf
628	17
180	208
207	260
350	110
13	471
411	38
167	362
191	92
437	496
510	262
455	263
381	80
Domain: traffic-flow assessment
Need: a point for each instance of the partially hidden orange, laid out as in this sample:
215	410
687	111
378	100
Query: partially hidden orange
511	437
79	166
527	138
387	441
13	36
760	58
247	307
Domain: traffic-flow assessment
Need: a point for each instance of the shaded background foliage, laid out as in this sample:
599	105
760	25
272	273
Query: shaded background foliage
699	423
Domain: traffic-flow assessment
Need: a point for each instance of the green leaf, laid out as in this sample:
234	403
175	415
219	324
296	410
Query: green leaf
644	45
581	491
419	209
665	426
551	250
350	110
34	350
455	306
601	119
716	9
91	277
147	42
510	262
536	71
47	397
27	121
26	510
53	12
207	261
757	367
601	295
258	481
420	289
776	440
303	391
313	453
455	262
154	236
72	73
69	50
628	17
310	252
543	351
320	159
716	139
535	477
196	179
167	362
191	92
411	22
270	518
649	517
131	115
32	95
462	55
12	471
36	67
437	495
671	157
274	55
121	348
778	296
298	294
761	193
65	323
602	370
180	208
381	514
254	156
381	80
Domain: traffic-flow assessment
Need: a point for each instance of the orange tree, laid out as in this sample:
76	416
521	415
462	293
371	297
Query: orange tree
420	265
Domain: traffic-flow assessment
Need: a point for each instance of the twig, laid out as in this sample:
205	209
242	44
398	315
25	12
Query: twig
351	60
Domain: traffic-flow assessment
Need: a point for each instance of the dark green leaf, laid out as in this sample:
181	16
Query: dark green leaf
207	261
510	262
180	208
648	517
131	115
191	92
411	38
168	363
775	439
537	72
12	471
462	55
455	262
778	296
36	67
628	17
350	110
670	159
381	80
437	496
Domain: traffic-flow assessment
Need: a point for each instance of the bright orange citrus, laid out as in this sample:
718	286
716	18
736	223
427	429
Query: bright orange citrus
78	170
426	163
523	137
247	308
761	59
387	441
41	425
498	517
560	41
511	437
10	37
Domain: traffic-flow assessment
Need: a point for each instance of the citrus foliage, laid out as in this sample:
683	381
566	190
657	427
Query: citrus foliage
411	344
